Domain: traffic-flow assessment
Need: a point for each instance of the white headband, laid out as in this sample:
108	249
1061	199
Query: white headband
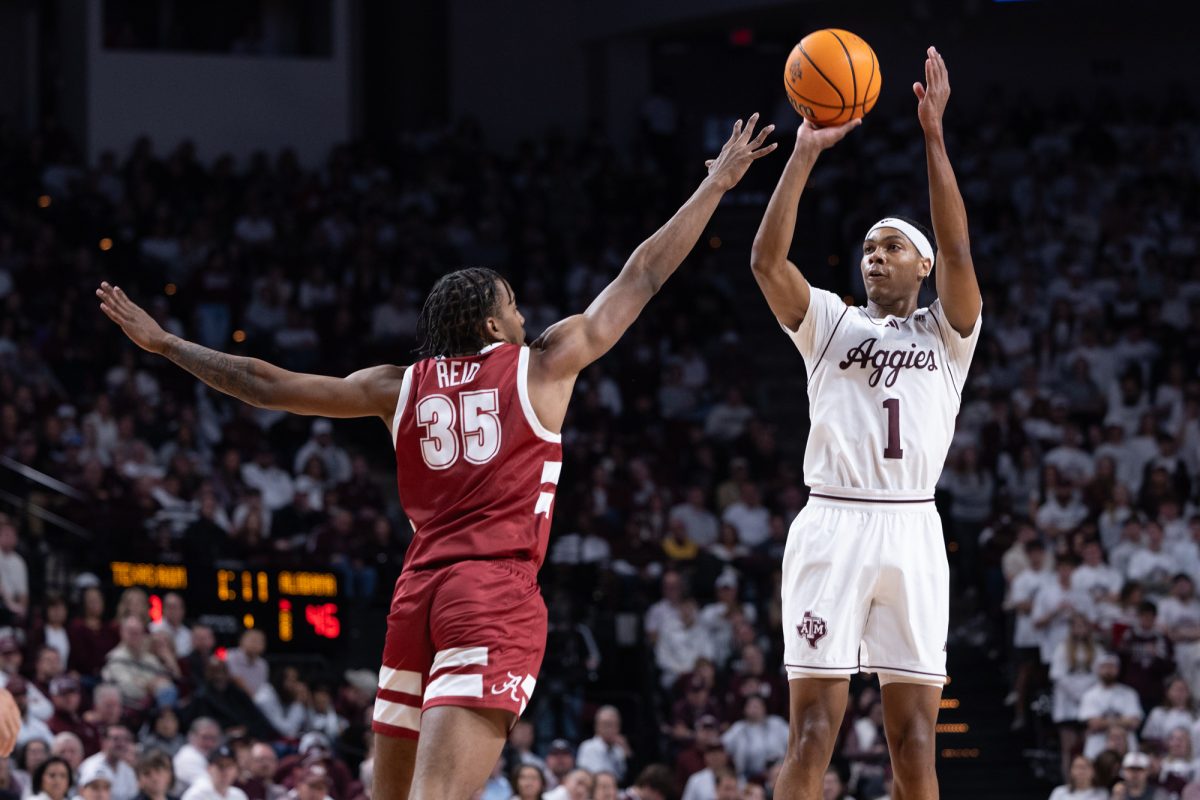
914	235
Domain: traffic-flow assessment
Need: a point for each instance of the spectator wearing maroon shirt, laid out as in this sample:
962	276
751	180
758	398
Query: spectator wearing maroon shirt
692	759
1147	656
92	636
65	694
696	703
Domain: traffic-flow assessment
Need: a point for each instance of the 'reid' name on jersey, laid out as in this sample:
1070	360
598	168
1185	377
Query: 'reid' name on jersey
455	373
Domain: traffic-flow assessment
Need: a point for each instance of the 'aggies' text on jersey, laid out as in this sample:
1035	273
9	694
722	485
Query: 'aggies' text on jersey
476	470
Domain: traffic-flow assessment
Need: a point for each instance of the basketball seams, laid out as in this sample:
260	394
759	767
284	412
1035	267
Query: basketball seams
850	63
833	85
792	90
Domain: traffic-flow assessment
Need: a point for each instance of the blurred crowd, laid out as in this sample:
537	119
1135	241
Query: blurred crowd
1068	497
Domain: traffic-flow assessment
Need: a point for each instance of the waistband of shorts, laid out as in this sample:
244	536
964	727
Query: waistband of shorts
868	498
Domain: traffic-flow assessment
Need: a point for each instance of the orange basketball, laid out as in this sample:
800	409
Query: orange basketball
832	76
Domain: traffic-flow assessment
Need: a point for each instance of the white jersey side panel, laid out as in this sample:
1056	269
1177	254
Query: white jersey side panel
883	395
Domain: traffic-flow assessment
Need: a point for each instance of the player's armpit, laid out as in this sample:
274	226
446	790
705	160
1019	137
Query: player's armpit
570	345
786	290
370	392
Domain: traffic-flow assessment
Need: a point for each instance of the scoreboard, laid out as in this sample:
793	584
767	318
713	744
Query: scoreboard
297	610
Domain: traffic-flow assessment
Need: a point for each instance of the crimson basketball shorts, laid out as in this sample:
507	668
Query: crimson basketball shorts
469	635
866	588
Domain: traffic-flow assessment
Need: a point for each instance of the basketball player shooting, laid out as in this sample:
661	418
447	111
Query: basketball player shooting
865	577
475	425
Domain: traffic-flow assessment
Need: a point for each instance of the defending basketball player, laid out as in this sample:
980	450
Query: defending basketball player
475	426
865	577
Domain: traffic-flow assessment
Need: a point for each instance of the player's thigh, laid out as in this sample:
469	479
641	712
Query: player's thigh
407	655
395	763
488	627
816	706
905	634
457	751
910	719
826	586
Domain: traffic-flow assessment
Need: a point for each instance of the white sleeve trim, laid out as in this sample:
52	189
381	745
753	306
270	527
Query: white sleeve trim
523	392
401	402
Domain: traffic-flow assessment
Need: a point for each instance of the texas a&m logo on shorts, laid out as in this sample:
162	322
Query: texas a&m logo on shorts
812	628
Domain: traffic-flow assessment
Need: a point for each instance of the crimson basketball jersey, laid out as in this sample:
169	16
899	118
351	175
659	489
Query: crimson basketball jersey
476	470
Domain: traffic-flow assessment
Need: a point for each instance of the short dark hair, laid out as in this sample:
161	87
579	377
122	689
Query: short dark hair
40	772
152	760
657	777
452	318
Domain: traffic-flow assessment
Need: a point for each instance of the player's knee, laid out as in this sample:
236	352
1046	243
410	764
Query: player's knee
913	746
813	732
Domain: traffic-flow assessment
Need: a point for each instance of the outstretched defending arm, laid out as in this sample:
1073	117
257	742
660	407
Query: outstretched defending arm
369	392
569	346
779	279
957	286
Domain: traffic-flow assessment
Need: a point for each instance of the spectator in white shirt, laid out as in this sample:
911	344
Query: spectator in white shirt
191	762
701	524
727	420
275	484
1062	511
1072	462
666	611
682	644
1179	615
608	750
1054	606
115	751
247	667
1106	704
14	575
1135	772
702	785
173	625
1073	672
217	784
1176	711
1100	581
1021	595
719	617
749	516
1151	565
755	740
1079	785
338	468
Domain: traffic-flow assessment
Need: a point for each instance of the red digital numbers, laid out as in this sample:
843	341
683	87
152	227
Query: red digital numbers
324	621
155	608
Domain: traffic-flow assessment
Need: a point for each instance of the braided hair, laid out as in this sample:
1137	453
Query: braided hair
452	319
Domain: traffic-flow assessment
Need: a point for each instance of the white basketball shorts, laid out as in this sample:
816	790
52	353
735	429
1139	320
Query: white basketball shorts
866	588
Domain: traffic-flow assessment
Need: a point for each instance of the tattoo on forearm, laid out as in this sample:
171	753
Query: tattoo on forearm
233	375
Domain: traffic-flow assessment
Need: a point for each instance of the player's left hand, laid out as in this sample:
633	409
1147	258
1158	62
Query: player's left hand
935	93
739	152
10	722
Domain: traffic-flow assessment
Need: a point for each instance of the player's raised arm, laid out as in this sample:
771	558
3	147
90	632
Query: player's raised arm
569	346
782	284
957	286
367	393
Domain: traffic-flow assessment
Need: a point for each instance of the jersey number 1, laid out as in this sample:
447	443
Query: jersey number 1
480	428
893	449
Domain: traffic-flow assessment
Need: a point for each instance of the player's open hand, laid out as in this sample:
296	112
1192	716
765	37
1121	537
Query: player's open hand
739	152
139	326
10	722
814	139
935	93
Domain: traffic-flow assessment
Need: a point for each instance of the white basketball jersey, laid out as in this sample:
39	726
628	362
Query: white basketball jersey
883	395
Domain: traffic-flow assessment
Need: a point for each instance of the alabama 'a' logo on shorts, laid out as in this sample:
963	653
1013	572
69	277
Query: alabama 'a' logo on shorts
812	628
